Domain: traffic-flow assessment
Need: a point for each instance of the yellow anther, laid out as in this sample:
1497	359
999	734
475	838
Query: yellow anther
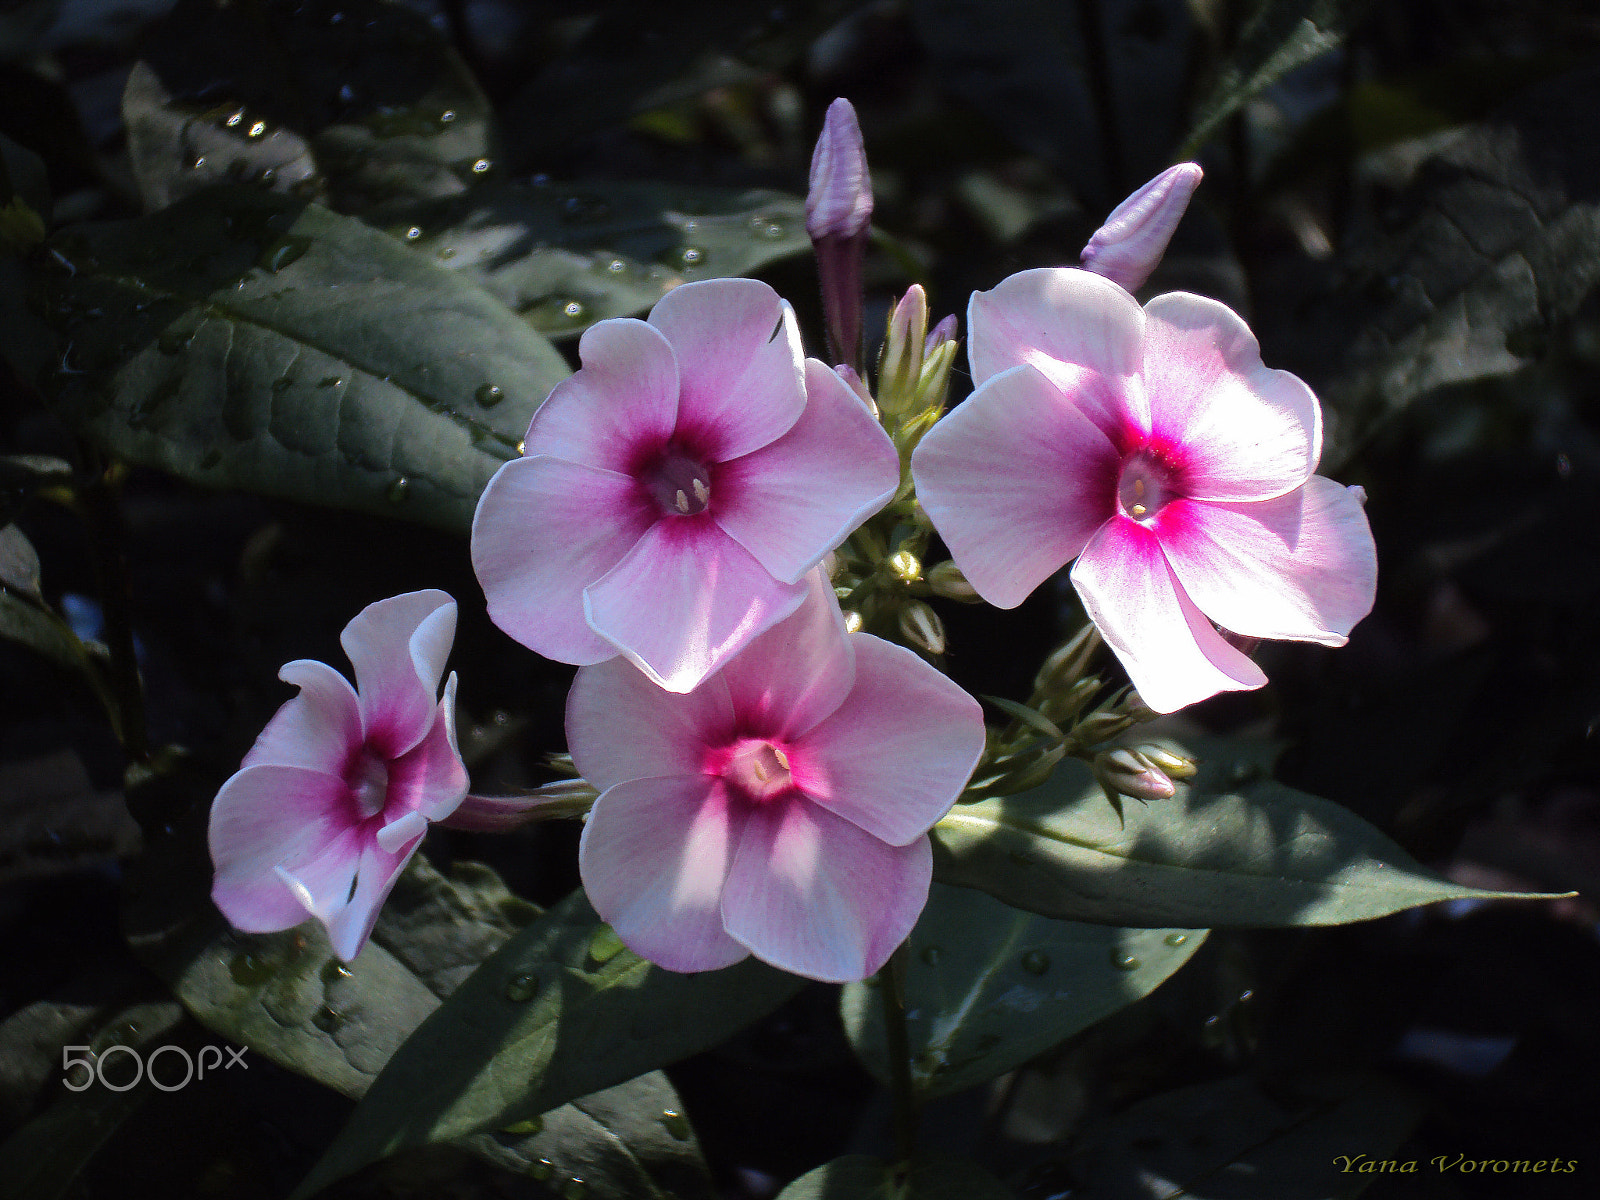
701	492
1137	510
682	502
1138	488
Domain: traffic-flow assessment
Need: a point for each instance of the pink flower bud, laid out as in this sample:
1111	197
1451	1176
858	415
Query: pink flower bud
839	203
1128	246
944	331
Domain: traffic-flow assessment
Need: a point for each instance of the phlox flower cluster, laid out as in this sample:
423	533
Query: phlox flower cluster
766	781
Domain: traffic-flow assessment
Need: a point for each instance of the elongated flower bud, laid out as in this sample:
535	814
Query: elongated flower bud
900	363
947	580
1129	772
921	626
838	216
1128	246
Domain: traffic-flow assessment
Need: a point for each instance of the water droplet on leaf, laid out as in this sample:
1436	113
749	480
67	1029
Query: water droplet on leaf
489	395
521	988
676	1124
327	1018
172	341
282	252
1123	961
1176	939
248	970
398	490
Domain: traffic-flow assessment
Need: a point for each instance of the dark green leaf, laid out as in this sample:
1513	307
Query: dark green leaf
1496	243
629	1142
1230	848
989	987
242	340
560	1011
1230	1141
24	621
566	257
21	475
43	1156
629	56
359	101
1093	89
1280	36
931	1177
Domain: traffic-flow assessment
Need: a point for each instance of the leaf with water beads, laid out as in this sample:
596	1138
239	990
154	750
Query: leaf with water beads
988	987
247	341
567	257
546	1019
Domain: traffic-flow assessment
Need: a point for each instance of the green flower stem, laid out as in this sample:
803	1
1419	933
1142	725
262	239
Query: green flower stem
98	504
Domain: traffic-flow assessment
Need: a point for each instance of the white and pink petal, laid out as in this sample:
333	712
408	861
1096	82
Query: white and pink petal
1083	332
1170	651
622	726
739	364
544	530
893	757
684	600
793	500
1016	480
398	647
1300	567
318	729
815	895
621	404
1241	430
654	858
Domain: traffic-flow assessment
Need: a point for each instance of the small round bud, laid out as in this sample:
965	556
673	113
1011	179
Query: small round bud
947	580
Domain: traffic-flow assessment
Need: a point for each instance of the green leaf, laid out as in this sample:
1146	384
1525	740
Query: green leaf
1229	1140
1229	849
1091	89
566	257
1495	246
372	107
42	1156
22	620
560	1011
1279	36
629	1142
19	564
989	987
931	1177
621	58
247	341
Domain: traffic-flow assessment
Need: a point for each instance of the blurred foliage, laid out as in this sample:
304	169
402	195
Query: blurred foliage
208	210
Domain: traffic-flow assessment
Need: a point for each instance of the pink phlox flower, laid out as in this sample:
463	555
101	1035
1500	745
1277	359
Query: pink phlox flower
335	795
676	490
780	809
1154	447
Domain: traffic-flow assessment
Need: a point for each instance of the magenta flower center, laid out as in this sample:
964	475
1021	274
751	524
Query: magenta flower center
368	778
758	769
1145	485
680	485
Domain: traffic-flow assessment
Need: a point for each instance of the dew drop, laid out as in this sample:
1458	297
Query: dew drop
573	310
235	118
931	955
413	233
489	395
446	252
575	1189
692	256
282	384
198	161
676	1124
604	945
173	341
616	266
328	381
1123	961
447	116
398	490
334	970
327	1018
542	1169
1035	962
521	988
1176	939
256	129
481	166
282	252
